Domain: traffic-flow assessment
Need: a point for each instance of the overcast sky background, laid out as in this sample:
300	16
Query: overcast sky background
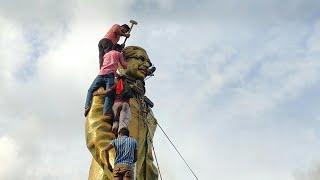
236	87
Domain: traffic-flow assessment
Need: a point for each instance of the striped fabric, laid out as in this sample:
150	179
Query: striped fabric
124	147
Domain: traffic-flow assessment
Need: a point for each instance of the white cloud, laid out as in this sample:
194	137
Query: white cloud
310	174
11	162
12	56
33	110
222	82
313	42
235	91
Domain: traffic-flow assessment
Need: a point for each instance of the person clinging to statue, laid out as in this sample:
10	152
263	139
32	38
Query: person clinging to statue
111	38
111	61
142	124
126	155
121	106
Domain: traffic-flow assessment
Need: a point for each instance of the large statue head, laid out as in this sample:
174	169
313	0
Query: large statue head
138	62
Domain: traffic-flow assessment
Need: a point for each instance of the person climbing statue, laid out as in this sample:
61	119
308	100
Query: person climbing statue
142	126
121	106
111	38
111	61
126	155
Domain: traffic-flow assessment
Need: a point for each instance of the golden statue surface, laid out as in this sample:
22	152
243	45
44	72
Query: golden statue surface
142	125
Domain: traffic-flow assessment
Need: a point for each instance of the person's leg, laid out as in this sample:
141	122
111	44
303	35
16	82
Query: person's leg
117	106
118	172
108	101
108	45
129	174
101	51
125	116
105	45
98	82
115	125
127	178
118	178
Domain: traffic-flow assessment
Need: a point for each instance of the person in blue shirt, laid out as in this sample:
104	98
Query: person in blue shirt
126	155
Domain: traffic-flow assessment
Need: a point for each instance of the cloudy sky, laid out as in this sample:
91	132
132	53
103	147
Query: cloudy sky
236	87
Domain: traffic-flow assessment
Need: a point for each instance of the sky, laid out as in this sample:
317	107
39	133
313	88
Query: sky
236	87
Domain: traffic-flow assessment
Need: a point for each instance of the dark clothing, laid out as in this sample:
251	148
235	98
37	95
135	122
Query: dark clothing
105	81
105	45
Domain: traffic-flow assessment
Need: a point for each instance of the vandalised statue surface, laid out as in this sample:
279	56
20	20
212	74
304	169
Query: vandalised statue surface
142	124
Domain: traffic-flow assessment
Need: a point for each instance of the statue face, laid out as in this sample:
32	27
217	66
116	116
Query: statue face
138	64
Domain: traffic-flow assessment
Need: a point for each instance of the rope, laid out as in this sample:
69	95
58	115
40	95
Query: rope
139	111
155	157
148	136
178	151
154	152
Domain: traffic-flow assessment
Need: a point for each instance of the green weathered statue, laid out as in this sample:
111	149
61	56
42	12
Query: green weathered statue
142	124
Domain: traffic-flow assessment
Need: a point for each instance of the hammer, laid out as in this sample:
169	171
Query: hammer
133	22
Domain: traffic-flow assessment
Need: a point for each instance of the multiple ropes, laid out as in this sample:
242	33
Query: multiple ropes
155	156
185	162
176	149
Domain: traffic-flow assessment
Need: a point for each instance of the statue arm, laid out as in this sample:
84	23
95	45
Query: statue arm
135	155
98	136
108	148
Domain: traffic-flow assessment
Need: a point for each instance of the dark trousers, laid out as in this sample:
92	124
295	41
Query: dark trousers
105	45
105	81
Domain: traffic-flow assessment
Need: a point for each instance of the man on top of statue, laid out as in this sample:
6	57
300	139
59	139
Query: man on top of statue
111	61
111	38
126	155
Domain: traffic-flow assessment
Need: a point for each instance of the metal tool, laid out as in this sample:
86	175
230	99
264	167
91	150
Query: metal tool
133	22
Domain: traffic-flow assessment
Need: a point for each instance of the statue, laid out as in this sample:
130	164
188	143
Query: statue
142	125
